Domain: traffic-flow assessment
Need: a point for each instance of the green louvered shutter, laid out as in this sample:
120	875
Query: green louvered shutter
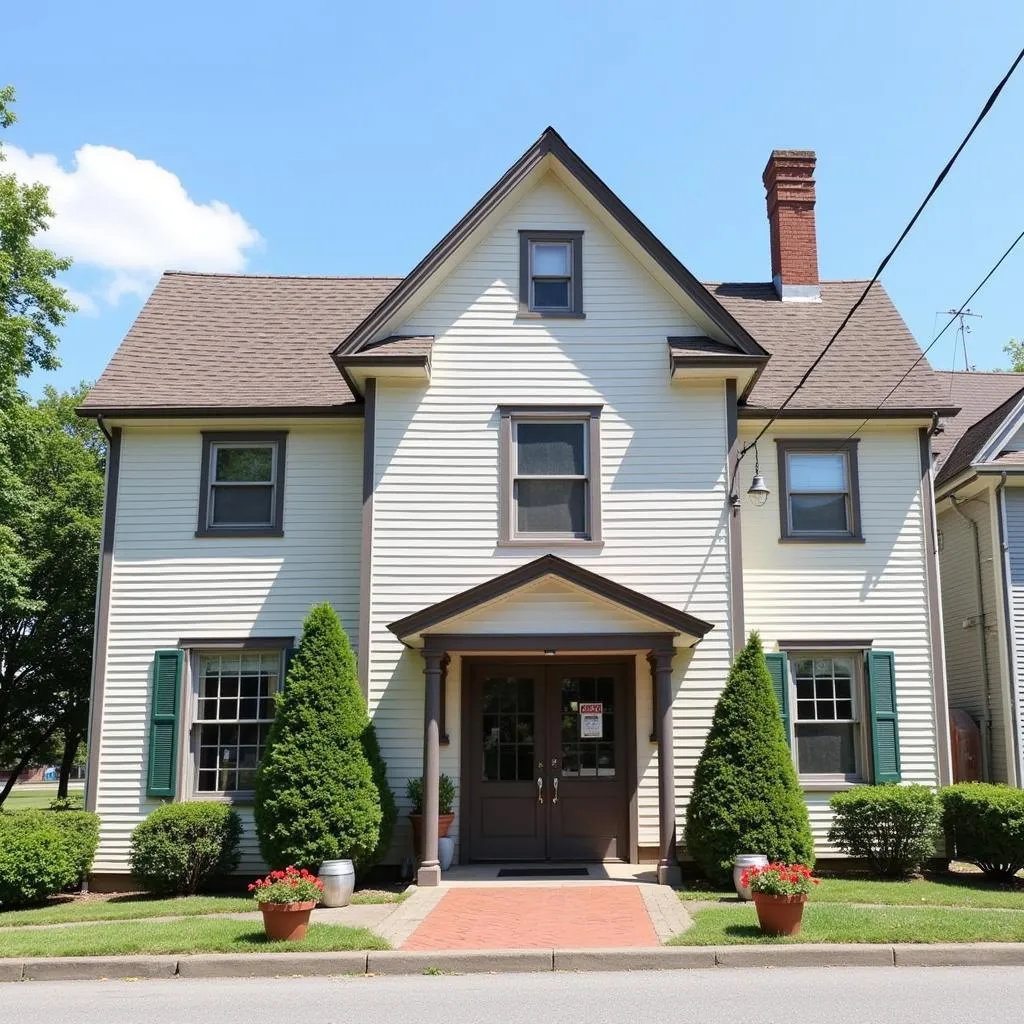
163	723
885	734
779	671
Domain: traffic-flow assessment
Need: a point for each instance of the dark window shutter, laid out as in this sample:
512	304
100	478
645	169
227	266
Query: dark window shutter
885	737
778	669
289	654
163	723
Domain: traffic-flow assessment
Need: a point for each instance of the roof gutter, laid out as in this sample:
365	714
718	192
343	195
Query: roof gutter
980	625
1011	653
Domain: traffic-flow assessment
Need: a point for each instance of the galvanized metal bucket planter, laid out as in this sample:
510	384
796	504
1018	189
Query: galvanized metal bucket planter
339	878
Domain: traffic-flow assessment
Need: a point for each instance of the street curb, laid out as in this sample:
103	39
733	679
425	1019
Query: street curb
503	961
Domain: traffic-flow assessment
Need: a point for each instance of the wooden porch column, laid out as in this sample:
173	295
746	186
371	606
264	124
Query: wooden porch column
430	866
668	867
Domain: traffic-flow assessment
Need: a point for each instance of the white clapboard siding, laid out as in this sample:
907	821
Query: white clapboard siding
663	471
167	584
875	590
965	678
1015	540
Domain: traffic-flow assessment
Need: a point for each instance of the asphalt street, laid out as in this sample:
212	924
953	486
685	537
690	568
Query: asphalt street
756	996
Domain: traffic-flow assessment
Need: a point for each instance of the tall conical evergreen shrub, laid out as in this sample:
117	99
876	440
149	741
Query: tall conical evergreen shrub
746	797
319	796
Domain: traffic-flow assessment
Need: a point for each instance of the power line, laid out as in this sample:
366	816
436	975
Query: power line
952	320
881	266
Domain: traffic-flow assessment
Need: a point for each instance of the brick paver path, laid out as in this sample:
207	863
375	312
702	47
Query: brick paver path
536	917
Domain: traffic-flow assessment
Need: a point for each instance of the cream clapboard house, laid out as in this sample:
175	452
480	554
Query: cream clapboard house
515	474
980	506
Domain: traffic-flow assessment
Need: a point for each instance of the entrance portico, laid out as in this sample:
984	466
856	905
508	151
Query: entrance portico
541	647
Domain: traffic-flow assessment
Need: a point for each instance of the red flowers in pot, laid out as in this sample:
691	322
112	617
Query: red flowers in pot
780	892
286	899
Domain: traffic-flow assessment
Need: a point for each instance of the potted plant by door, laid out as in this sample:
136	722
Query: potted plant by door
780	892
286	899
445	817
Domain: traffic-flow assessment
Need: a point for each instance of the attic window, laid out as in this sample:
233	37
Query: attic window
551	273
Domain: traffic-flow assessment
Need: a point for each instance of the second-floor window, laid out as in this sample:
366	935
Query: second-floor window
551	273
242	486
819	490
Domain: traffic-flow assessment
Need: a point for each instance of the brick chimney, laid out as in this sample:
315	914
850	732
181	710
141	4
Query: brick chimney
789	186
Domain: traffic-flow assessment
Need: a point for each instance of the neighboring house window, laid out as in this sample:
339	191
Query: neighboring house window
242	484
550	474
827	719
234	705
819	497
551	273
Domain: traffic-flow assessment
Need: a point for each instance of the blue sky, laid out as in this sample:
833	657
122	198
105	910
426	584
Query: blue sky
347	138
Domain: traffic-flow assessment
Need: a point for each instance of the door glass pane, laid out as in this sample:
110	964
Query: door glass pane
588	727
551	506
549	449
817	471
508	729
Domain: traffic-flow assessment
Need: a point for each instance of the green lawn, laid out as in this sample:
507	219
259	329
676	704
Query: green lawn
377	896
23	797
124	908
730	925
940	891
193	935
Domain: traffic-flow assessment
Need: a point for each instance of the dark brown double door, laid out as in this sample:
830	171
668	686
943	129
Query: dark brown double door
545	769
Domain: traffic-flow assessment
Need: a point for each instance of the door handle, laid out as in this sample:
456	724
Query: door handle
540	790
554	799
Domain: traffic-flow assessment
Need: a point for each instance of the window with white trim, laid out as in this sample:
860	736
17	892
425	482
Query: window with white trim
234	696
828	697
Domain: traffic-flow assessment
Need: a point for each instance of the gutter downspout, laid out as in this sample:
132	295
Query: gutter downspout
1011	650
986	725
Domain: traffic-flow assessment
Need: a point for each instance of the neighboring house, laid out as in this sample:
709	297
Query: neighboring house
980	506
511	472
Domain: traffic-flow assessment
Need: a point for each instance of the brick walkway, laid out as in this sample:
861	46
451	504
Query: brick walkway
574	916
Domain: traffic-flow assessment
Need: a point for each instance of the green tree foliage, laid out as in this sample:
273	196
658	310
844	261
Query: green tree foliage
746	798
318	796
1015	350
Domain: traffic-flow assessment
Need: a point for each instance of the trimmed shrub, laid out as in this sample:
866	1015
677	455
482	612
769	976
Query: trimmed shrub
984	825
895	828
388	808
746	798
316	794
445	794
180	848
42	853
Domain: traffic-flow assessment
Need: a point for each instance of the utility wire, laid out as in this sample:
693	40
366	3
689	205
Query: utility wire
931	344
892	252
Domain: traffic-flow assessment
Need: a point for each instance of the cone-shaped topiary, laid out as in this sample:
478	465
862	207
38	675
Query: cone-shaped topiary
746	798
317	797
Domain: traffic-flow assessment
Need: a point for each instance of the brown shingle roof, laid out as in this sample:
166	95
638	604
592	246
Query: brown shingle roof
874	350
222	342
986	399
210	343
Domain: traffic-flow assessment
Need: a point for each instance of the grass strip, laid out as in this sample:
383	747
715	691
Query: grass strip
126	908
823	922
192	935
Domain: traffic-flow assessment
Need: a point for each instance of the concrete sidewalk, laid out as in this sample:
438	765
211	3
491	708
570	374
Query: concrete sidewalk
228	965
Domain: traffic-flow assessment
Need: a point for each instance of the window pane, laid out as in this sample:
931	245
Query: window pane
551	506
244	464
550	449
826	749
551	294
818	513
551	259
245	505
817	471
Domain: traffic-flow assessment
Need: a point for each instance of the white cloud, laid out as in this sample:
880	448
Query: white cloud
86	303
132	218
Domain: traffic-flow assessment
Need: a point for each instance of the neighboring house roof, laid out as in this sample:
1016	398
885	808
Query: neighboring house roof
216	344
874	350
986	399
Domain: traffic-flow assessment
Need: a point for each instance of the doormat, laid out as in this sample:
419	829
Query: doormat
543	873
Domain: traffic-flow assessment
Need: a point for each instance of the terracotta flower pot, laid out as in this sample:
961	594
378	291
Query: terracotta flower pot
444	822
286	922
779	915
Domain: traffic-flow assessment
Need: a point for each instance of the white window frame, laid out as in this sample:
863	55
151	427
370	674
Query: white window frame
861	732
194	724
